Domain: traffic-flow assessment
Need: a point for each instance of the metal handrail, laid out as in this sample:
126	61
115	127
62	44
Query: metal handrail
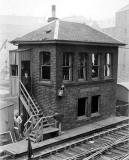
28	100
29	96
41	120
31	118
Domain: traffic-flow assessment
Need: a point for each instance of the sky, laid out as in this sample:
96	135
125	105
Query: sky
91	9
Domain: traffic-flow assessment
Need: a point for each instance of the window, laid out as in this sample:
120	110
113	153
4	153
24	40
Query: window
83	107
67	66
95	65
107	65
82	68
14	70
95	104
45	65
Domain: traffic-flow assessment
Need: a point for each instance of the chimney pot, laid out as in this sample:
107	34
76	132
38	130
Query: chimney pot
53	14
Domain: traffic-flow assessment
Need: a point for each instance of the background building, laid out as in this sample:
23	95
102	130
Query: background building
121	31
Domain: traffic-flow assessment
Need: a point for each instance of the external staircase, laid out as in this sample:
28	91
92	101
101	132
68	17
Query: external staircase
38	127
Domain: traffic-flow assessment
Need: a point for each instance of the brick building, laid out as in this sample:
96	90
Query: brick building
73	70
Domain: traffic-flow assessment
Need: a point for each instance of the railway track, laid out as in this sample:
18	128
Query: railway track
90	147
113	140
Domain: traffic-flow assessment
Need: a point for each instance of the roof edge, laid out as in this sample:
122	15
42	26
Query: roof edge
66	42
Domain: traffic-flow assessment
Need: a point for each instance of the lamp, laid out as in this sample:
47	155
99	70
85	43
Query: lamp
61	91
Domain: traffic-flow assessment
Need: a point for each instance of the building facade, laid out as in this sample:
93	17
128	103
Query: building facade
73	70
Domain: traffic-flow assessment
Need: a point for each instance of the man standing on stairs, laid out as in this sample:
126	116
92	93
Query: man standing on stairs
27	82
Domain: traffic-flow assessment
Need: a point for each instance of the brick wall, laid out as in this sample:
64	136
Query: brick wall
105	88
46	93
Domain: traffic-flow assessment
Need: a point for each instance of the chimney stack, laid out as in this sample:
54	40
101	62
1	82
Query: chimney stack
53	14
53	10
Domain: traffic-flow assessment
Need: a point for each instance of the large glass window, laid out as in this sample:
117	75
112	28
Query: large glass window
67	66
107	65
45	65
82	68
95	65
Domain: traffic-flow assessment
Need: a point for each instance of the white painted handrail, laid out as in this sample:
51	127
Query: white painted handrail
29	96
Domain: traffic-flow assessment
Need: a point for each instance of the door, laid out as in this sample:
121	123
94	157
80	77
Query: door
25	67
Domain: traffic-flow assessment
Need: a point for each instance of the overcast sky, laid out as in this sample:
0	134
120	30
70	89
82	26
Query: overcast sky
91	9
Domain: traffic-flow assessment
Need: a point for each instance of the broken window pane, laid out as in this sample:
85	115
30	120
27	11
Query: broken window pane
107	66
95	65
45	65
82	68
67	66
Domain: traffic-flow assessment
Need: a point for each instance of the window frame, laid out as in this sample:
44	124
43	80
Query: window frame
110	64
84	66
16	67
84	116
44	65
69	66
99	102
98	65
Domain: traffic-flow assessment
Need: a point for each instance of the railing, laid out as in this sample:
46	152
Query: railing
43	122
30	124
28	98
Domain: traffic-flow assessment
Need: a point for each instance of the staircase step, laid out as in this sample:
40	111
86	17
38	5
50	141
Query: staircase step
33	139
33	135
5	157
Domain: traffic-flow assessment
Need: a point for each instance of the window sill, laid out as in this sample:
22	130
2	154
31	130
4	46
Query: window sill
82	80
73	83
84	118
95	79
45	83
106	77
95	115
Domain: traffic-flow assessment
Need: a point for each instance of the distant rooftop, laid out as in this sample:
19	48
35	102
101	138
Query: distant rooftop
124	84
63	31
124	8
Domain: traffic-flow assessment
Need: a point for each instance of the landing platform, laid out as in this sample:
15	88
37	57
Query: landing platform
20	147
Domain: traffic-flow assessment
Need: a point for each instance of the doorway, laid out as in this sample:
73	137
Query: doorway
83	107
95	104
25	67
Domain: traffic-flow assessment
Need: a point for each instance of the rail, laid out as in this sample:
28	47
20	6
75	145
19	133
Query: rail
126	157
40	124
29	125
28	97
